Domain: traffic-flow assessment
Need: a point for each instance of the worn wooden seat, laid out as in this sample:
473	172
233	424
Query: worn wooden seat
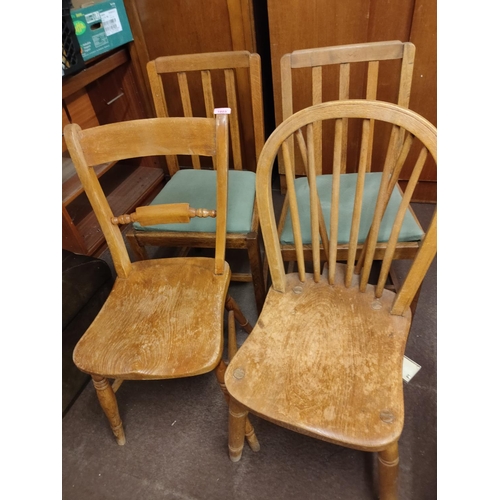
325	358
164	318
363	70
189	85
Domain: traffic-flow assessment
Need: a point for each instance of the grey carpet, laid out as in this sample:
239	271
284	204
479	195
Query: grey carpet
177	438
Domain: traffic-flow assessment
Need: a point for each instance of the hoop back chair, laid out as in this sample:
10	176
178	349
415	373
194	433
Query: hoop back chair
325	357
164	318
373	71
193	84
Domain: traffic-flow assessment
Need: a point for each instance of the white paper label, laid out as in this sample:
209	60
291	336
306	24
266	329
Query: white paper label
111	22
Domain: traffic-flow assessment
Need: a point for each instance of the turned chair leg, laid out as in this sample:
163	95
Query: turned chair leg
388	463
107	399
248	430
238	416
231	305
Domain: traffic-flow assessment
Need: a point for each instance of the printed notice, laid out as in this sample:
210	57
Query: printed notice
111	22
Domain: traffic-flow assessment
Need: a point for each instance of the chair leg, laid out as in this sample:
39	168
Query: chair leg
256	267
388	463
107	399
231	305
248	430
232	347
138	251
237	418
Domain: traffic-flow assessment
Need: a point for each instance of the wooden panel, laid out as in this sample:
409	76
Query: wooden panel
174	27
80	110
115	98
191	26
296	25
424	94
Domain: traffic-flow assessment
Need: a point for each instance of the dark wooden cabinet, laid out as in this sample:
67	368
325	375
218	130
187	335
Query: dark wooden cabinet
105	92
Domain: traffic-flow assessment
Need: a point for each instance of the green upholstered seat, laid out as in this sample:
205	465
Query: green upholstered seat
410	230
198	188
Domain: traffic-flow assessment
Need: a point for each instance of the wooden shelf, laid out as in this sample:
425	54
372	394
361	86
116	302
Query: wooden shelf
73	187
93	72
133	191
89	99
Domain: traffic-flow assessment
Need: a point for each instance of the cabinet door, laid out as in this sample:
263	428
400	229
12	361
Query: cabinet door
295	25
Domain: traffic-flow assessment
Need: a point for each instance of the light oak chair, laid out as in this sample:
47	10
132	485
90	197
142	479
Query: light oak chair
193	84
374	70
164	318
325	358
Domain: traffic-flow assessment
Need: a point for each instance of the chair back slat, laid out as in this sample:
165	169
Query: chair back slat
334	212
358	202
398	222
294	211
380	189
233	124
344	81
160	105
392	184
140	138
371	94
257	108
317	97
208	93
287	100
380	207
187	108
315	202
322	226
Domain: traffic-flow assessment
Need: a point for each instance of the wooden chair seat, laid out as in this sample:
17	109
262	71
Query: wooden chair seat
342	381
151	328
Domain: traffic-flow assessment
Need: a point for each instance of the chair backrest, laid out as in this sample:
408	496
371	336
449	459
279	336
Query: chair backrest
193	84
349	71
148	137
420	139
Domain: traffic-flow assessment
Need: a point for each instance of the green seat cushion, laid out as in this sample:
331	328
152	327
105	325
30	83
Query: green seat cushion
198	188
410	230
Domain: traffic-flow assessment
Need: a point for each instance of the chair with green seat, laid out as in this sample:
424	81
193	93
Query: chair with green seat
192	85
368	71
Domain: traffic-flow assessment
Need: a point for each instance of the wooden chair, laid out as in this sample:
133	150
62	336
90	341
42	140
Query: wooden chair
164	317
365	70
194	82
325	358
